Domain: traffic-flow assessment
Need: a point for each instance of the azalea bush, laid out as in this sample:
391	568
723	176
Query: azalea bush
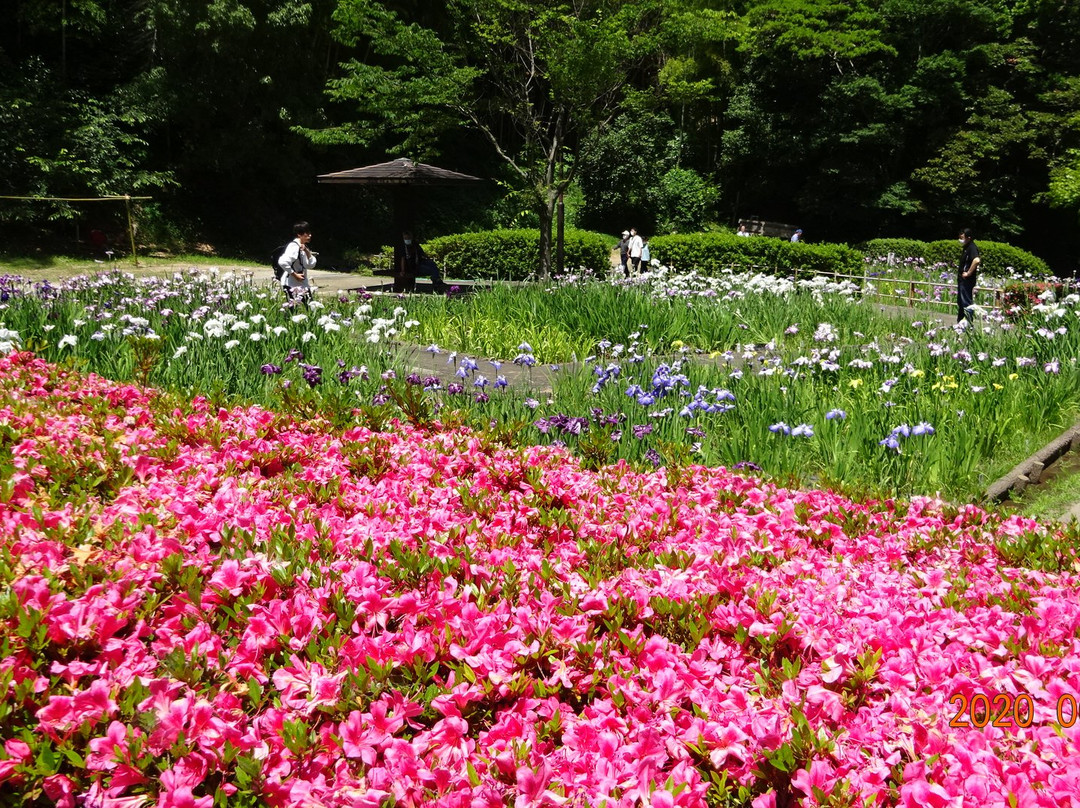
206	606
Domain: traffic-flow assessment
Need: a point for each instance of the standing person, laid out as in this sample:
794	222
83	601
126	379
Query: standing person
796	236
969	270
624	253
636	245
410	260
295	262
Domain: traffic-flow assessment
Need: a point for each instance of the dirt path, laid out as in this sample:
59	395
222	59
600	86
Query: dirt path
325	281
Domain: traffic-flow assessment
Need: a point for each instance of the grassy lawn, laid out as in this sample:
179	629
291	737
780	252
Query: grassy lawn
41	265
1056	493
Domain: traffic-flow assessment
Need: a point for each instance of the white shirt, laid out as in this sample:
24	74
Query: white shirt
288	262
636	244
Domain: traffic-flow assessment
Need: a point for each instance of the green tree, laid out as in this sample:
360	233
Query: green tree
191	101
75	119
622	165
965	180
536	80
238	76
685	199
798	113
1065	182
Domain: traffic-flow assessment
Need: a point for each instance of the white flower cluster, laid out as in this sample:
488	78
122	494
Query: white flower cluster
383	328
230	328
661	281
9	340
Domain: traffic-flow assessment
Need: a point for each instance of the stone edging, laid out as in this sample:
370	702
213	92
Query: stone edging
1030	471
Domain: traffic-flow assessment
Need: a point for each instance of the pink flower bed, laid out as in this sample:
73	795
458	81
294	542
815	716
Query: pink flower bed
205	606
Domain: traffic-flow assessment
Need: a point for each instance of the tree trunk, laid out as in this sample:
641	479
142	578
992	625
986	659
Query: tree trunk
547	214
560	235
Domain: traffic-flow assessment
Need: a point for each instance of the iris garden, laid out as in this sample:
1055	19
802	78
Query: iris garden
806	381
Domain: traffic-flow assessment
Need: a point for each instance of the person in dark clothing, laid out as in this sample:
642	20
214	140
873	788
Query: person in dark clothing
410	260
624	253
969	270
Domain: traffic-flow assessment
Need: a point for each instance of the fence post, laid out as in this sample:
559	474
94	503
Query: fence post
131	230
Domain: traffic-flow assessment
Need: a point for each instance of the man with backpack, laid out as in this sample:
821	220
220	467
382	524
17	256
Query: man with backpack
293	262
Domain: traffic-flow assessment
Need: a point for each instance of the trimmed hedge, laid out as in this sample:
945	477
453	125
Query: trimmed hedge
513	255
999	260
712	253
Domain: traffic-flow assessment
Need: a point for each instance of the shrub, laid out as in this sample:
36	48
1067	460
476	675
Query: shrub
999	260
712	253
513	254
900	247
684	198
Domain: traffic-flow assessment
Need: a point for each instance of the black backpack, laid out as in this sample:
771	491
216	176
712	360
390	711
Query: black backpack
275	256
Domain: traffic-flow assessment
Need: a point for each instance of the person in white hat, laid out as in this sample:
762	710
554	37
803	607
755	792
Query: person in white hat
624	253
636	245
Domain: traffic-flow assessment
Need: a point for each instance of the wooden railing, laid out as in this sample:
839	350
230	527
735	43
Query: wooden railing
945	291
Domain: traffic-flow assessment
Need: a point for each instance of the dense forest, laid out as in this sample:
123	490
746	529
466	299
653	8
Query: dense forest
852	120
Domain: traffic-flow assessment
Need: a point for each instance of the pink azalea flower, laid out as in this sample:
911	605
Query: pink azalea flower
921	794
819	776
532	788
63	713
60	789
18	753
